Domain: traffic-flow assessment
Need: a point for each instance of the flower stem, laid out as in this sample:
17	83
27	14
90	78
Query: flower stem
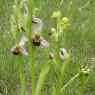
71	80
32	66
82	85
31	47
22	77
59	87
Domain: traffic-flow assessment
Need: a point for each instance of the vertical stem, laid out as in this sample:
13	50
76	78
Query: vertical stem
22	77
59	87
32	66
31	47
82	85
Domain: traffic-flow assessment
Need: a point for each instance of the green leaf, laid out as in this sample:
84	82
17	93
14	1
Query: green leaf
42	78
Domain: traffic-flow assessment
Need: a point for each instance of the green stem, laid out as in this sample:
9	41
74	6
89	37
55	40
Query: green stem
22	77
59	87
71	80
31	47
32	66
82	84
62	73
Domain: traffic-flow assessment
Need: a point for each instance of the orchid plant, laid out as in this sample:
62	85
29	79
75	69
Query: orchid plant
29	27
61	61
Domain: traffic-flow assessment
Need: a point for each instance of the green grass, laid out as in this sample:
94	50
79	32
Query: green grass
80	39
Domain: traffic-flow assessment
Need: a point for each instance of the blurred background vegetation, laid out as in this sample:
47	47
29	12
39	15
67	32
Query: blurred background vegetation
80	40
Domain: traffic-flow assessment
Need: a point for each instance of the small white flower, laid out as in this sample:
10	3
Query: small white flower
19	47
63	53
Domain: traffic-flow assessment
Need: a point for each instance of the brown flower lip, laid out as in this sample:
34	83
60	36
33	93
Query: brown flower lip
16	51
40	42
36	42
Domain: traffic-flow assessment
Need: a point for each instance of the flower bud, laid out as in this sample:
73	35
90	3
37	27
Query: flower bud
65	20
85	71
56	14
53	30
63	53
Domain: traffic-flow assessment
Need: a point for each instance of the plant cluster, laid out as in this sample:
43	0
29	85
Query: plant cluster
27	28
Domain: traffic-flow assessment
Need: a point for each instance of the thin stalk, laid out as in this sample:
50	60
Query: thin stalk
63	69
59	87
31	47
32	66
22	77
70	81
82	85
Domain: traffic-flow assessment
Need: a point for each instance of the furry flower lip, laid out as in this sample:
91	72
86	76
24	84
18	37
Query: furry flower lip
18	48
38	40
63	53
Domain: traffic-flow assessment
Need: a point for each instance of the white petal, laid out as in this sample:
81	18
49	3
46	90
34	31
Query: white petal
23	41
12	49
37	26
23	51
63	53
44	43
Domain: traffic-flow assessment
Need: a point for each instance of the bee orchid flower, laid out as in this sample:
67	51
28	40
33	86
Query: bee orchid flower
37	23
18	48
